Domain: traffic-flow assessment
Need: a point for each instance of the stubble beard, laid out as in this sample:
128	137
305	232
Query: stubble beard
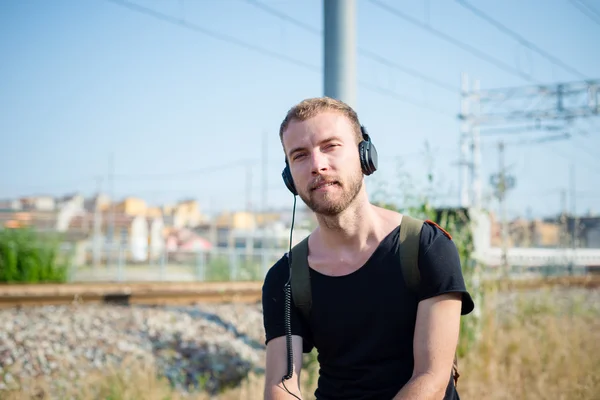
331	204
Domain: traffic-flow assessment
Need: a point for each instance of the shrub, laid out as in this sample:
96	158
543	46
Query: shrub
27	256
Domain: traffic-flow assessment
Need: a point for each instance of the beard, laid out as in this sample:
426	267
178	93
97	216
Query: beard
333	203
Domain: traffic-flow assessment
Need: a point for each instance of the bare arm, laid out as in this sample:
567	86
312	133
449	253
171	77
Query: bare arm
435	340
276	368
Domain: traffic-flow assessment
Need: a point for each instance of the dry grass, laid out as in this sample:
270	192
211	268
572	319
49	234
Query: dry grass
537	351
132	381
540	351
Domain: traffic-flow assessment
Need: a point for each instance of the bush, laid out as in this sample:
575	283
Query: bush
27	256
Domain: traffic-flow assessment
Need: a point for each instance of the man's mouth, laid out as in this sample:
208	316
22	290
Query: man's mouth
324	184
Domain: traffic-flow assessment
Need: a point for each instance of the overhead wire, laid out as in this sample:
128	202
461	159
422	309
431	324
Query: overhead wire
187	173
527	43
367	53
361	50
376	57
511	33
468	48
486	57
587	10
215	35
261	50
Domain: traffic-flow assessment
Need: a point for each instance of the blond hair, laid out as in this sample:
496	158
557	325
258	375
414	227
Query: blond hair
309	108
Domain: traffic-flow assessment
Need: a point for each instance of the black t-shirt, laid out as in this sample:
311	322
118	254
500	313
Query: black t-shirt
362	324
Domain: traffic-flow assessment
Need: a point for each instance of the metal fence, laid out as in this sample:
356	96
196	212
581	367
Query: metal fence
220	264
240	264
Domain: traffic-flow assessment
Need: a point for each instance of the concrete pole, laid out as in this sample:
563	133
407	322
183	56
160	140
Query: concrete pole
465	129
339	48
476	172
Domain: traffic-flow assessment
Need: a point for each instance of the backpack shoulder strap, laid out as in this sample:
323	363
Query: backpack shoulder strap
410	234
300	281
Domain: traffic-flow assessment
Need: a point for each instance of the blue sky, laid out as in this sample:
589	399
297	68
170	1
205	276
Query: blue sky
84	79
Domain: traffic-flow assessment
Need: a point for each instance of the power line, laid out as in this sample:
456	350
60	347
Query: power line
229	39
188	173
285	17
587	10
397	96
585	149
215	35
592	168
470	49
362	51
519	38
407	70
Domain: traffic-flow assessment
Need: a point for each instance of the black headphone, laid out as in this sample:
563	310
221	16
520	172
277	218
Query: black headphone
366	152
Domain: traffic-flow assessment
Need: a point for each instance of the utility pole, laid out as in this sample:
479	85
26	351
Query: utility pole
470	166
574	233
96	255
249	186
465	130
249	209
265	176
564	230
111	234
502	183
563	202
476	152
502	188
339	50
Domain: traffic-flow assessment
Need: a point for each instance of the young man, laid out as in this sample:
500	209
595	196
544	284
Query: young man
375	338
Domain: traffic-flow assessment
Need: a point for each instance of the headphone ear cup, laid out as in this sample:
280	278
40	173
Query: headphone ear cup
288	180
363	154
372	160
368	157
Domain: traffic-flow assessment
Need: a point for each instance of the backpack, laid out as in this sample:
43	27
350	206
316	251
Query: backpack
410	231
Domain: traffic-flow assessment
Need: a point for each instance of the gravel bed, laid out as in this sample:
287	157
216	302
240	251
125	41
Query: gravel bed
210	346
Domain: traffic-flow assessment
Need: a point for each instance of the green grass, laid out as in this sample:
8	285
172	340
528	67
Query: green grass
27	256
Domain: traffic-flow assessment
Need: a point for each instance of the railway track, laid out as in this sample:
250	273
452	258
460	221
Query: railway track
154	293
163	293
590	281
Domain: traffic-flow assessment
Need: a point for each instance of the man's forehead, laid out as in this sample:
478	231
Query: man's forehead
321	127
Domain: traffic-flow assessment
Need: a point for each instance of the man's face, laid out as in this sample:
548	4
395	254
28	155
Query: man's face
323	156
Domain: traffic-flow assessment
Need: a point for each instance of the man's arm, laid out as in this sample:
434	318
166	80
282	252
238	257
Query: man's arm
435	340
276	369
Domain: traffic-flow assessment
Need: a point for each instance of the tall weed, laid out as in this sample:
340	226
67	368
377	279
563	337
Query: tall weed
27	256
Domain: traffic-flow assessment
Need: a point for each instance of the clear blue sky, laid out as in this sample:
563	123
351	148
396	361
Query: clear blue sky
82	79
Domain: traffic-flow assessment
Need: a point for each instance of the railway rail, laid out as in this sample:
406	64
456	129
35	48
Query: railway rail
163	293
150	293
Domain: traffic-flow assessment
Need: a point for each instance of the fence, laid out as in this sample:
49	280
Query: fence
218	264
248	264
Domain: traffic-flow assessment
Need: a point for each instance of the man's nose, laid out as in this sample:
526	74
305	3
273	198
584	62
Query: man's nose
319	162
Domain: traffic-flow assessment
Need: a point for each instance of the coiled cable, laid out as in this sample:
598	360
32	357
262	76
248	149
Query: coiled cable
287	313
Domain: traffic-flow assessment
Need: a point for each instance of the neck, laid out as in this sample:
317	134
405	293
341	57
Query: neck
351	228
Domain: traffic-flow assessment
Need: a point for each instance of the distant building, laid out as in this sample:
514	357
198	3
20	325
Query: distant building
586	230
38	203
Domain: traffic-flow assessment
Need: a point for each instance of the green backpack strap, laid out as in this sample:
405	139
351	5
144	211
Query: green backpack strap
300	281
410	234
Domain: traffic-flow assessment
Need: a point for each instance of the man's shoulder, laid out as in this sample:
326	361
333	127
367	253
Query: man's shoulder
431	233
278	273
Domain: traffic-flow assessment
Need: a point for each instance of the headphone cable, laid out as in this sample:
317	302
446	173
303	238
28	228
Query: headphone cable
288	310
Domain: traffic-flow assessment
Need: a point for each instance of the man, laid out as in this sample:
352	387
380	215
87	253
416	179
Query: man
375	338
